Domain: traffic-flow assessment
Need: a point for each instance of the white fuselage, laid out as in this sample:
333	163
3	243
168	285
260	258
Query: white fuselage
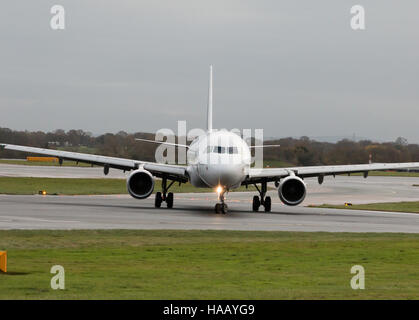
218	158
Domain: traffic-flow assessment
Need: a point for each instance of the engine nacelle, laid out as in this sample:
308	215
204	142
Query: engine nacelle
140	184
292	190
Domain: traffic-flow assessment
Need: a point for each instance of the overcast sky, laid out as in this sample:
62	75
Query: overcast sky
290	67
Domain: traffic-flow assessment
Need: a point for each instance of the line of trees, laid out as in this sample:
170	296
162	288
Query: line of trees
302	151
121	144
306	152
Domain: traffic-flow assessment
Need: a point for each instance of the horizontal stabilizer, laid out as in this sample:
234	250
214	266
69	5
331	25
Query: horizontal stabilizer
266	146
163	142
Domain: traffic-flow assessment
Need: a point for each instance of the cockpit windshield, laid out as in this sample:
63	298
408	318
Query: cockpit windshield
219	149
233	150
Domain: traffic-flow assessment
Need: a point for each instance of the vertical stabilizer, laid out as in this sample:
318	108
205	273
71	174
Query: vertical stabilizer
209	111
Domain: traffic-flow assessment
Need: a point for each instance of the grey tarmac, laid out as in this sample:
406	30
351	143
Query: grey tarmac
196	211
191	211
16	170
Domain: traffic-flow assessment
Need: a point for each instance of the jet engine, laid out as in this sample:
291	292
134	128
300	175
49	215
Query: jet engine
292	190
140	184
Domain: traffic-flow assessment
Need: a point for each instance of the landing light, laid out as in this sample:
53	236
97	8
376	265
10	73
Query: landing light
219	189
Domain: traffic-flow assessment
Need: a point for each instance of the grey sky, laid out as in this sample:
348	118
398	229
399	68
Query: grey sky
290	67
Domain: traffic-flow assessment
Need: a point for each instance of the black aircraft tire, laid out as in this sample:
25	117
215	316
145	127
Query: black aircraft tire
256	204
158	200
224	208
169	200
268	204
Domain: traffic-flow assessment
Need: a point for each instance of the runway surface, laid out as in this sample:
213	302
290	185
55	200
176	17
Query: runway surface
191	211
195	211
15	170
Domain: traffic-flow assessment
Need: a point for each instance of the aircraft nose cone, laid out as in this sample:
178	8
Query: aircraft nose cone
225	175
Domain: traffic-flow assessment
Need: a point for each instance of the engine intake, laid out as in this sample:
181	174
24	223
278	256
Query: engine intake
140	184
292	190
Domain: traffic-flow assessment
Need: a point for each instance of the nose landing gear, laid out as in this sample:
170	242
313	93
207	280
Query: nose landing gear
221	207
263	200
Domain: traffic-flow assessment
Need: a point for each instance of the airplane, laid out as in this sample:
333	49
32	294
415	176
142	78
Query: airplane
219	160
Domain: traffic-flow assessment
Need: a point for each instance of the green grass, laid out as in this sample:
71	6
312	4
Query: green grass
408	206
24	162
389	174
75	186
140	264
79	149
277	164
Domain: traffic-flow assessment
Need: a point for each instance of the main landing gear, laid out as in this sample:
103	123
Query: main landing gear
221	207
164	196
263	200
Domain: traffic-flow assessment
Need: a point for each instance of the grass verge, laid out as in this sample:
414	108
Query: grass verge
75	186
141	264
24	162
389	174
408	206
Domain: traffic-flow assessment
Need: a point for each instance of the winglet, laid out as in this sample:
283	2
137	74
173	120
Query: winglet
209	111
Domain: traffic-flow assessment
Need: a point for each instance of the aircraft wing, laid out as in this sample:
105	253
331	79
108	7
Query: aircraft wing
274	174
173	172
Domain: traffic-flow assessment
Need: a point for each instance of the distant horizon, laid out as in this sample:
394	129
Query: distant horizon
330	139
